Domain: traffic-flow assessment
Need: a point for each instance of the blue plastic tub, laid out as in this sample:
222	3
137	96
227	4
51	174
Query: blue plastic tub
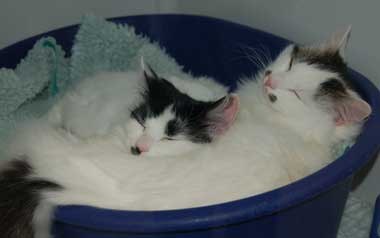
375	229
309	208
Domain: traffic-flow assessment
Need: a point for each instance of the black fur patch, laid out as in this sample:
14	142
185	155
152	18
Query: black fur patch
194	116
333	88
19	196
172	128
191	116
158	95
327	59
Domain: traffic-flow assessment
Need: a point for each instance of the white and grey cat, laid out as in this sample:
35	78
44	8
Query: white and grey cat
193	150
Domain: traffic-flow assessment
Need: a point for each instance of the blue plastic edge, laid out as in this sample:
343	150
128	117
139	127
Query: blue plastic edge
375	228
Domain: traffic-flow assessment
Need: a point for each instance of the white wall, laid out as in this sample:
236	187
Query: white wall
299	20
22	18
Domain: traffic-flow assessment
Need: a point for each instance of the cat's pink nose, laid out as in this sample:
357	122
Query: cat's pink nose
143	148
144	143
269	82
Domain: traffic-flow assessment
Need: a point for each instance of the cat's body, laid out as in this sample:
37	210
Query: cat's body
101	102
284	130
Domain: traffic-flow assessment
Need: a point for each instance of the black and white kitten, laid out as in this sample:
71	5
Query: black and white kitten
170	120
130	112
288	120
156	116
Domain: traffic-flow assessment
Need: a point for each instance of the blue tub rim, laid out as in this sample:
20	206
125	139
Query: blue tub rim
232	212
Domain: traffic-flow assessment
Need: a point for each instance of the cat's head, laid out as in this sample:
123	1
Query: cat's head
168	121
309	85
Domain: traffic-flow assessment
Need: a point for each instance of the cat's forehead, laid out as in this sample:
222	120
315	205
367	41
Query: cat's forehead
304	76
162	95
323	58
326	60
311	66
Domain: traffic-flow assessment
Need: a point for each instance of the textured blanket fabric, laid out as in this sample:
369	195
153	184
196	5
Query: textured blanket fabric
104	46
25	90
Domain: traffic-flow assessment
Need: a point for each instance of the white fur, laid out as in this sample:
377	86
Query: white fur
152	136
308	117
268	146
94	106
100	102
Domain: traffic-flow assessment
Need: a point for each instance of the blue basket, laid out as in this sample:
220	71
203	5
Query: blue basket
311	207
375	229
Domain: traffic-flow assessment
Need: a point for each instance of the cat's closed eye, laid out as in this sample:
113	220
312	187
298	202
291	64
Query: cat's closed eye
295	93
168	138
135	116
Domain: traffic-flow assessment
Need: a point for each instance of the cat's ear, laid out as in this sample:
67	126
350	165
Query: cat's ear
223	114
338	41
350	110
147	72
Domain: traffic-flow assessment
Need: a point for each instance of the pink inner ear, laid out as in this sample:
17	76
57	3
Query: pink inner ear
229	113
351	110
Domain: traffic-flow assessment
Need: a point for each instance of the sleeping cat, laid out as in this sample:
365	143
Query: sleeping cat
275	130
175	114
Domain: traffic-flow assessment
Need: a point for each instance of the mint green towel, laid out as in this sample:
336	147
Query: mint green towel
31	75
40	73
104	46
